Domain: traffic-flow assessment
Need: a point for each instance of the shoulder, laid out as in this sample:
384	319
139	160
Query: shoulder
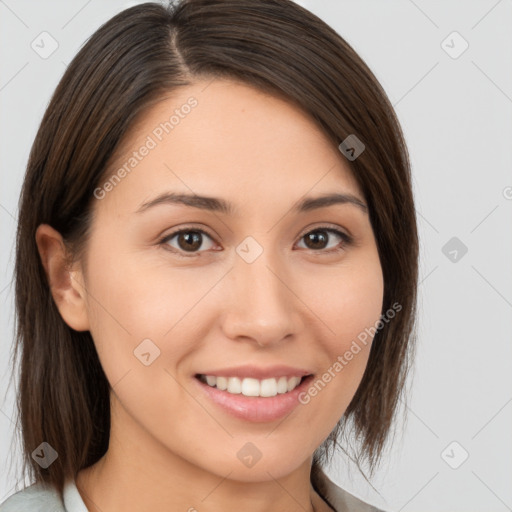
35	498
340	499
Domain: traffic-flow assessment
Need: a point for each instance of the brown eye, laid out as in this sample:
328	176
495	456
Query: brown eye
188	240
319	239
316	239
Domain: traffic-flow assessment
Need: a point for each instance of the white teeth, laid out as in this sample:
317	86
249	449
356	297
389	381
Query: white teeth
268	387
252	387
222	382
234	385
293	383
282	385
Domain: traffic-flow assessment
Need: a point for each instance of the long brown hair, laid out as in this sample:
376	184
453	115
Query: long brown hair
130	62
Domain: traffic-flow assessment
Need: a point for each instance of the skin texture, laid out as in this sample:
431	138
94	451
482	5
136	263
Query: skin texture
298	304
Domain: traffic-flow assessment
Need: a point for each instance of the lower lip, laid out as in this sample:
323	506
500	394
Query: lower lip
254	408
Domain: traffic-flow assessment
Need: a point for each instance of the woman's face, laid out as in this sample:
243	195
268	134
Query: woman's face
260	289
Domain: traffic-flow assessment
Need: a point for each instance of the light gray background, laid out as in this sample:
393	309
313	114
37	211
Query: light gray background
457	117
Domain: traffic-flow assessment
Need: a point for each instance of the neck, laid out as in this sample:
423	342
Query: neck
110	486
139	473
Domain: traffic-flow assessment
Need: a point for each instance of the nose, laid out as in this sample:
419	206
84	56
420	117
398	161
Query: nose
261	306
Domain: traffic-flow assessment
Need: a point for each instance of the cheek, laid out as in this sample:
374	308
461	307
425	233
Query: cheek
123	307
350	306
349	302
358	308
132	301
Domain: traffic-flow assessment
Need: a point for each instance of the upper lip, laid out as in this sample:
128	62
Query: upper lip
259	373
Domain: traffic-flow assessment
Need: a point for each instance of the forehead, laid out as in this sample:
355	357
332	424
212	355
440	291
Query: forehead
227	139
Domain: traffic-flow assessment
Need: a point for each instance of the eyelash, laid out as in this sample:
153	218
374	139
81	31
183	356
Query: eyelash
347	240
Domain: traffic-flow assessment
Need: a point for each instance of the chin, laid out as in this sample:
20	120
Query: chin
265	469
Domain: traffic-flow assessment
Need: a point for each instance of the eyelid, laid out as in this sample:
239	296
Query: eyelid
325	226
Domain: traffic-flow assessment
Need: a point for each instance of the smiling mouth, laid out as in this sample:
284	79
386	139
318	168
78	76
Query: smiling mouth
253	387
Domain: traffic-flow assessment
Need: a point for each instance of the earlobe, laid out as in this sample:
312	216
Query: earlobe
66	284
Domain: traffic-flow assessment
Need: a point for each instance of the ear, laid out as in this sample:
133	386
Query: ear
66	284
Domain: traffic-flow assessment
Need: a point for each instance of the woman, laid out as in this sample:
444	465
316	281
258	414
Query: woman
216	266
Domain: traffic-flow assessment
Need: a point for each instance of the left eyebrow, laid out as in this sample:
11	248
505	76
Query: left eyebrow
312	203
215	204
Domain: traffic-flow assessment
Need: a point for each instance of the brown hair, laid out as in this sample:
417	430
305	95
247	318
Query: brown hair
130	62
